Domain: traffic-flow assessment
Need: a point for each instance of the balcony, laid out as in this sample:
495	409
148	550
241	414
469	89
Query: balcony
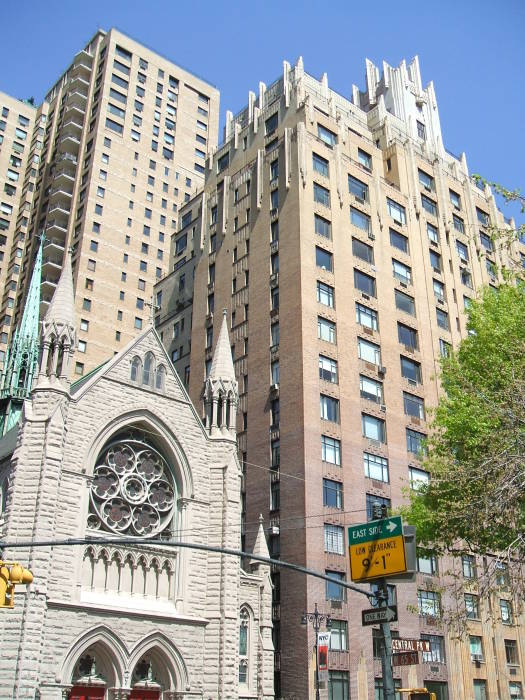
77	98
48	286
67	159
63	175
54	246
57	227
51	264
69	143
60	209
78	81
74	108
61	194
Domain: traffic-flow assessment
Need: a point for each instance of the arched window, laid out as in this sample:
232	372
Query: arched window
148	370
244	641
135	369
133	490
160	377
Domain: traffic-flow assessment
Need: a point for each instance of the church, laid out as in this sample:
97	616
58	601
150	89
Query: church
122	453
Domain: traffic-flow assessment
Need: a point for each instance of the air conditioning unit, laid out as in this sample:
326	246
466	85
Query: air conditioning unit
404	285
359	199
365	296
371	236
273	530
381	369
440	300
463	261
336	603
274	387
373	268
412	382
383	408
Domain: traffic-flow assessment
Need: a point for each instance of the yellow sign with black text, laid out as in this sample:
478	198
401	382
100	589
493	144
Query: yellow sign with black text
377	558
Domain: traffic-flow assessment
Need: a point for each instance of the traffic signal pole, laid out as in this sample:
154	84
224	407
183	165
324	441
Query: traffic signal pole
386	648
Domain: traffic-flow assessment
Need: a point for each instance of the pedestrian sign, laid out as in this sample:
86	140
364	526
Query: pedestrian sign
377	549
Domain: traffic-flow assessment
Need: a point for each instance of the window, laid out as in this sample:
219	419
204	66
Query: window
442	319
114	126
329	408
462	250
320	165
417	477
362	221
410	369
321	195
364	158
371	500
376	467
511	652
428	603
369	352
274	331
333	539
476	648
223	162
455	199
101	192
370	389
330	450
407	336
84	325
326	330
332	494
93	245
363	251
398	240
373	428
404	302
82	346
324	259
482	216
468	562
486	242
358	188
426	563
471	606
79	368
274	170
515	690
421	130
274	200
426	180
325	294
444	348
328	369
437	649
432	233
439	289
339	635
435	260
505	608
401	272
274	298
458	223
396	211
322	226
415	442
270	125
429	205
413	406
333	590
365	283
329	138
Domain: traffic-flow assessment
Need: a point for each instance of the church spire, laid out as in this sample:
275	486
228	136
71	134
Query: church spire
58	329
221	394
22	356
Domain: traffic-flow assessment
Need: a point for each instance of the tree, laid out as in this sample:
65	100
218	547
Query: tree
475	500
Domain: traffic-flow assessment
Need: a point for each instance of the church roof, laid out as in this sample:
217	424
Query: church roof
260	548
62	307
222	363
29	324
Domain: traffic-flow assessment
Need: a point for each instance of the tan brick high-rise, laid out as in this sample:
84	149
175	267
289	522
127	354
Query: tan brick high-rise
345	243
121	144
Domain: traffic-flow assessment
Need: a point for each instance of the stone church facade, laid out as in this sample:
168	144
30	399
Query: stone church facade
123	453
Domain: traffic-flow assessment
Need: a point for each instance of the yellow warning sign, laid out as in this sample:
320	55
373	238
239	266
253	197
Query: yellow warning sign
377	558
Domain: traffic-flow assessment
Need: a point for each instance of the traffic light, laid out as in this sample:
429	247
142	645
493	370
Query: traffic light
11	573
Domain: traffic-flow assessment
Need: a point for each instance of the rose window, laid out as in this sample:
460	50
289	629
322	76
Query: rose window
132	491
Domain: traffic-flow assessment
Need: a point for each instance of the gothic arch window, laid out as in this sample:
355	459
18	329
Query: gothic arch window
135	369
244	646
148	369
133	491
160	378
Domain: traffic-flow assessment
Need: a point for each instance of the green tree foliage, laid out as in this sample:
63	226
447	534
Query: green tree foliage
476	453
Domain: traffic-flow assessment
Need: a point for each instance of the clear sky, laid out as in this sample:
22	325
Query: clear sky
473	51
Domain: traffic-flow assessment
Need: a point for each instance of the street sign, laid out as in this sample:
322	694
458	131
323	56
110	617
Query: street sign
410	644
376	615
376	549
405	658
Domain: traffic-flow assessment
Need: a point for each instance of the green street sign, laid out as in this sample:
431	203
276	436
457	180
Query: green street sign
375	530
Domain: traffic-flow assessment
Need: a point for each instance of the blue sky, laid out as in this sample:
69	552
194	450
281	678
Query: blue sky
473	50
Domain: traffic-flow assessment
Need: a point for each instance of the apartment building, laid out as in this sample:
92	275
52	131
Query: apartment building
17	119
121	144
345	243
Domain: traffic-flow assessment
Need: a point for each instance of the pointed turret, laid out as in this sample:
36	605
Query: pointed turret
260	548
220	393
22	356
58	330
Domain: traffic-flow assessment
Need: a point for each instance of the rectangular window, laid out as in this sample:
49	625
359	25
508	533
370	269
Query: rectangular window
432	233
325	294
410	369
413	406
429	603
468	562
421	130
332	494
327	136
373	428
369	352
486	242
370	389
376	467
363	251
398	240
365	159
330	450
334	539
429	205
401	272
114	126
328	369
333	590
326	330
426	563
458	223
396	211
407	336
324	259
321	195
339	636
404	302
515	690
437	649
462	250
320	165
482	216
365	283
270	125
426	180
371	499
439	289
442	319
362	221
505	608
455	199
417	477
471	606
365	316
358	188
329	408
511	652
